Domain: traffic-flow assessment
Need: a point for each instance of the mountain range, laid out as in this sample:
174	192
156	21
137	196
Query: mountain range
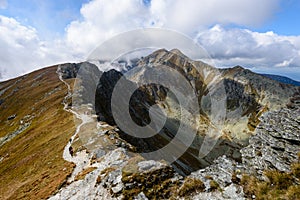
60	139
282	79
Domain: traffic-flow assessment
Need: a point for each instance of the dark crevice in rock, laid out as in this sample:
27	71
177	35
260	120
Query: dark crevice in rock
277	148
291	141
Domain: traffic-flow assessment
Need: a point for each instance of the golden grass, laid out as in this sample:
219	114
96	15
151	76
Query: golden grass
83	173
280	185
155	184
214	186
33	167
191	185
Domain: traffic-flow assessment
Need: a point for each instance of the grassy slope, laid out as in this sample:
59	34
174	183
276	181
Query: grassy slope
32	165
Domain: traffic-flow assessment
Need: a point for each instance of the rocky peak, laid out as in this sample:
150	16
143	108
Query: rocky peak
178	52
238	68
162	56
68	70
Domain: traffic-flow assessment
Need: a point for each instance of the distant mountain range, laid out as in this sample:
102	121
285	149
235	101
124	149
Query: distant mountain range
282	79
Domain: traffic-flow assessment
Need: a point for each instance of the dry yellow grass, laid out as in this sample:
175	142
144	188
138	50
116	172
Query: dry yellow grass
280	185
191	185
83	173
32	165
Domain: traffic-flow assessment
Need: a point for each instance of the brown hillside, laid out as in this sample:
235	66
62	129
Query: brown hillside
31	163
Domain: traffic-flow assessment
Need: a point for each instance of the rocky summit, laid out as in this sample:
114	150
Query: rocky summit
60	138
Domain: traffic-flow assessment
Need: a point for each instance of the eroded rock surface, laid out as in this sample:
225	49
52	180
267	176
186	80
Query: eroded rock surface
274	146
276	142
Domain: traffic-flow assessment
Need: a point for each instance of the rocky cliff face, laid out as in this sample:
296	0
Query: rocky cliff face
276	141
271	159
84	87
68	70
103	95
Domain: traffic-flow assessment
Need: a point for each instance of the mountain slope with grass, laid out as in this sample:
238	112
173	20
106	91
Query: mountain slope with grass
32	114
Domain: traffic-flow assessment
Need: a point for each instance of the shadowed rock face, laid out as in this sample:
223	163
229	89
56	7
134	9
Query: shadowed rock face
139	103
87	76
69	70
103	95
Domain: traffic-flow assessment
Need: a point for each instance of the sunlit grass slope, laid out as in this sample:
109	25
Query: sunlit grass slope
31	164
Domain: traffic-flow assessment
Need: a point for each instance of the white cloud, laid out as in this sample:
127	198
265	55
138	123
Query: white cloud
229	47
22	51
105	18
190	15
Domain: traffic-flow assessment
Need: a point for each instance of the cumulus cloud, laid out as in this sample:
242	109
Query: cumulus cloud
230	47
105	18
190	15
22	51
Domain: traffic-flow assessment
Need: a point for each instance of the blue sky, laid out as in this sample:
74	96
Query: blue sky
49	17
261	35
285	20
